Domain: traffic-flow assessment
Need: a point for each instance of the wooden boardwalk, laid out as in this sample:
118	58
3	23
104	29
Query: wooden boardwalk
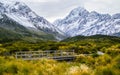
49	54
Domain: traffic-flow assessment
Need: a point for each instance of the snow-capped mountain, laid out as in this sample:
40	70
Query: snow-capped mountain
82	22
22	14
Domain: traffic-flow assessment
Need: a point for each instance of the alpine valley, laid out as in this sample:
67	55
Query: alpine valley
83	43
18	21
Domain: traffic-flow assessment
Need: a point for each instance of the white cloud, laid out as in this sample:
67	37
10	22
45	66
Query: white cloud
54	9
38	0
103	6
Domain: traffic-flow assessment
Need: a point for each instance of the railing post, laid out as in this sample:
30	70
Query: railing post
54	53
47	54
42	54
72	52
61	53
16	55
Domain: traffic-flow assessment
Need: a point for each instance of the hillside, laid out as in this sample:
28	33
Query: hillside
94	37
12	30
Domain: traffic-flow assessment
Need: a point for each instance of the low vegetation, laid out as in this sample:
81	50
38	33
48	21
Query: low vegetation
87	62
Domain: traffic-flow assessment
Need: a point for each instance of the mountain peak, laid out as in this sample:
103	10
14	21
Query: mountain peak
82	22
75	14
94	13
80	11
20	13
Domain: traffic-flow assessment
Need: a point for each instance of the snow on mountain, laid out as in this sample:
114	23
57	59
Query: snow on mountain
22	14
82	22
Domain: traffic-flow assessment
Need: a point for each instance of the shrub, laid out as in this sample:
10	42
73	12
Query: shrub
105	71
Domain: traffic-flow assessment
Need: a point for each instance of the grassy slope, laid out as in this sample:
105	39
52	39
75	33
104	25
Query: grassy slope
94	37
12	35
12	30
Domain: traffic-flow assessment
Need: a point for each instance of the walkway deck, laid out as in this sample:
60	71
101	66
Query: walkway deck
49	54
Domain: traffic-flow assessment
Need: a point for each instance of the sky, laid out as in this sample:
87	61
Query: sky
58	9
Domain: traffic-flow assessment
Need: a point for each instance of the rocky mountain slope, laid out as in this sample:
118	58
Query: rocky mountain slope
21	14
82	22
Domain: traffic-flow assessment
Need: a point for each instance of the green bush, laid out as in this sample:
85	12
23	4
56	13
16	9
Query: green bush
105	71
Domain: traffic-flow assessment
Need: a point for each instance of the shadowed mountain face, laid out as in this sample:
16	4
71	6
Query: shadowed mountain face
82	22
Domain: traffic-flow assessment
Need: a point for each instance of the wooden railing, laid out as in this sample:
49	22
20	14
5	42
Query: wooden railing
50	54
